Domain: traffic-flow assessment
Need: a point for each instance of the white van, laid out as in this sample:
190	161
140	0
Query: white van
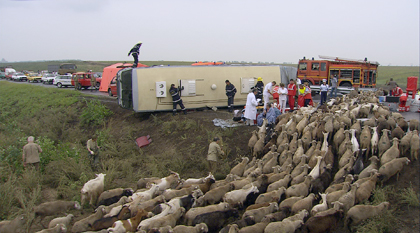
62	81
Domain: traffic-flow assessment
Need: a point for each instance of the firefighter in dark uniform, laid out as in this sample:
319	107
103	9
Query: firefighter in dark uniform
135	51
176	99
230	92
260	86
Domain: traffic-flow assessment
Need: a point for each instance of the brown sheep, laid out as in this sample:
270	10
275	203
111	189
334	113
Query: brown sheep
404	145
384	143
366	188
392	153
397	133
413	124
392	167
252	141
402	124
414	144
240	167
358	213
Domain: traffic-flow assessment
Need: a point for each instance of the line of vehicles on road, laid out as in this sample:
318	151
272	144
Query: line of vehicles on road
66	80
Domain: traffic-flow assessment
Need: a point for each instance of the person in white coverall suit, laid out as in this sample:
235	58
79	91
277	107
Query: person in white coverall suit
251	107
267	93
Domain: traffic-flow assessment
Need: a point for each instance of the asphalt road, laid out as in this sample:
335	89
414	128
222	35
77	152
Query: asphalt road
89	91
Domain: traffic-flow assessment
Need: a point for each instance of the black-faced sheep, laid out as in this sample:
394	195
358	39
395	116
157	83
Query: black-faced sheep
324	221
112	196
194	212
210	219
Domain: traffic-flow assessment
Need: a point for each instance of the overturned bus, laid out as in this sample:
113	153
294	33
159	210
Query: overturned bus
146	89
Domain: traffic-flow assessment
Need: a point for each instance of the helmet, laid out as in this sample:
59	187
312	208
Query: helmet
259	79
324	80
139	42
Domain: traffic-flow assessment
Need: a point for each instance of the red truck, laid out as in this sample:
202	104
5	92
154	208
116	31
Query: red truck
84	80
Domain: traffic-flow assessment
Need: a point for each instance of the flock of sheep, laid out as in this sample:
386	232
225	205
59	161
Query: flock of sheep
308	171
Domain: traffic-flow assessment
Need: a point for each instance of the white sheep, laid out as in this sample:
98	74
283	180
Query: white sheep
322	206
92	189
237	197
358	213
14	225
59	228
64	220
145	195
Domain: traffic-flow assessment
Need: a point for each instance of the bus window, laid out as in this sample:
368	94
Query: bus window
373	78
315	66
356	76
344	73
323	66
302	66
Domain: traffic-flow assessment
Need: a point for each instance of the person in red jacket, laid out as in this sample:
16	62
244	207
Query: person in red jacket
397	91
291	93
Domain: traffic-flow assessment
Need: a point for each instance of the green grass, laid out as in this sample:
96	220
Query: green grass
409	197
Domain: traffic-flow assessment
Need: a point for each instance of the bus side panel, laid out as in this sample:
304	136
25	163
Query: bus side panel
200	81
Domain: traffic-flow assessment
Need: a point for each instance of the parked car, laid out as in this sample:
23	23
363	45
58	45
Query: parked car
112	88
48	78
84	79
9	75
62	81
34	77
19	77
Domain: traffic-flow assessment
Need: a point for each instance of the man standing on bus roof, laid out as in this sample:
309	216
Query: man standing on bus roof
291	93
176	99
267	93
230	93
135	51
334	86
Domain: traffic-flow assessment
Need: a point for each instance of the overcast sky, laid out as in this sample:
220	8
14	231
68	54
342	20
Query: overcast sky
386	31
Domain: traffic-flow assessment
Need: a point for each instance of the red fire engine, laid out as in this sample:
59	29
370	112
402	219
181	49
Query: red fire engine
356	73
